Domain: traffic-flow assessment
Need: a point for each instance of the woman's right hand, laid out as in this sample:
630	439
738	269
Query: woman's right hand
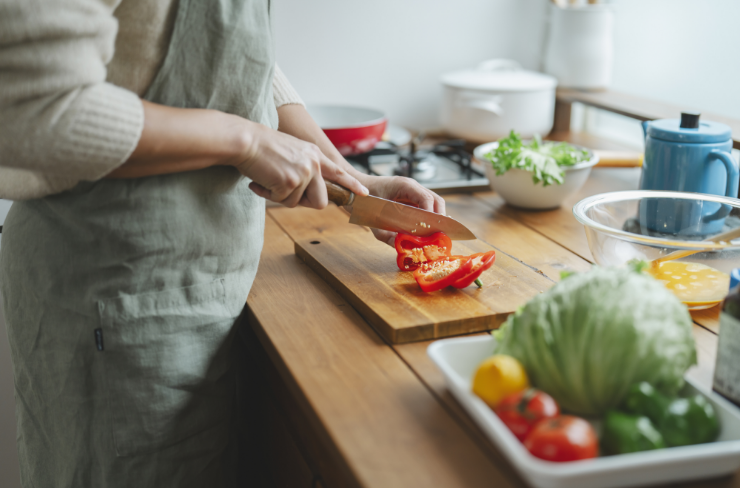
289	171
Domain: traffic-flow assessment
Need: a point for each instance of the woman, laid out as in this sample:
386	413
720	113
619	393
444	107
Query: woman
139	176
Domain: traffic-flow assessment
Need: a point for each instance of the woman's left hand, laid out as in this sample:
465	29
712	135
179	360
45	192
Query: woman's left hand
403	190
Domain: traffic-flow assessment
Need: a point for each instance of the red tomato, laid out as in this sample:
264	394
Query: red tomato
563	438
520	411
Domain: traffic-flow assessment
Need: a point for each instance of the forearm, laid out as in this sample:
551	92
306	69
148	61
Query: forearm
296	121
282	168
175	140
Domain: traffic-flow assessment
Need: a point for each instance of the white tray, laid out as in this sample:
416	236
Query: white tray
458	359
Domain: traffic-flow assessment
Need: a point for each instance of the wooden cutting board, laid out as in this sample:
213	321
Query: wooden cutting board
364	272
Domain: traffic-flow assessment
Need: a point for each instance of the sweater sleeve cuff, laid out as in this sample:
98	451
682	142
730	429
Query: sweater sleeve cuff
283	92
104	129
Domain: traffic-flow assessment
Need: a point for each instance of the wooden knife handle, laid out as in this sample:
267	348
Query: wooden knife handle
339	194
618	159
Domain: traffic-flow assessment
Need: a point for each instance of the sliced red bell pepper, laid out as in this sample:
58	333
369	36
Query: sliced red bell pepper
435	275
414	250
479	263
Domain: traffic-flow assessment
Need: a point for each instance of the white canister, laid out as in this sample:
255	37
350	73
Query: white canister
486	103
580	47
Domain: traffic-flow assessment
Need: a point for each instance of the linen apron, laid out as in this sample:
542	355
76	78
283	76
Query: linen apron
120	295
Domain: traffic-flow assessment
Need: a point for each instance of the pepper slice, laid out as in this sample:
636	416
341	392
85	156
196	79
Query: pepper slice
479	263
435	275
415	250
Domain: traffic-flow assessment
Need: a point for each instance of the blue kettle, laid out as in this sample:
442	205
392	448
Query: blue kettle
692	156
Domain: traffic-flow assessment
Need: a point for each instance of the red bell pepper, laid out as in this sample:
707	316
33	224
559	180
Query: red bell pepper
415	250
479	263
435	275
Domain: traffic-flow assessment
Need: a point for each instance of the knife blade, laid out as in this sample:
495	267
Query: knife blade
379	213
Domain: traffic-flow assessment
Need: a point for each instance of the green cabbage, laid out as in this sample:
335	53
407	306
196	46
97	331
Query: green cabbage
593	335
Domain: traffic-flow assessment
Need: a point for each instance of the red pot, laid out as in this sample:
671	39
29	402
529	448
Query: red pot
352	130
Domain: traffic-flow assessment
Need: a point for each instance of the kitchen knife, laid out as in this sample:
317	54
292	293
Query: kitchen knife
378	213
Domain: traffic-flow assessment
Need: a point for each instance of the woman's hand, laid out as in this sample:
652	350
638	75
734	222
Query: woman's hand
403	190
289	171
295	120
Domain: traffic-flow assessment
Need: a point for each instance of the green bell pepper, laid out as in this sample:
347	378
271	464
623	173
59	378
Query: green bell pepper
689	421
643	399
681	421
623	433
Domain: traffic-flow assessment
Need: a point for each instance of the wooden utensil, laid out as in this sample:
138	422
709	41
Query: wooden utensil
723	237
618	159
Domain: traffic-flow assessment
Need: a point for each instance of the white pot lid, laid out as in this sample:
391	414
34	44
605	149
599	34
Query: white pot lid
499	75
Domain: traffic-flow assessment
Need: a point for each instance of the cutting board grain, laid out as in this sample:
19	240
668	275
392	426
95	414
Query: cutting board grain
364	272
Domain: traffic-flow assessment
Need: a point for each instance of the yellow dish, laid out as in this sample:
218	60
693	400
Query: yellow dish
697	285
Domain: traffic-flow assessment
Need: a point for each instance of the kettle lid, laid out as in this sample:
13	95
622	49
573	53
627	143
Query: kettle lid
689	129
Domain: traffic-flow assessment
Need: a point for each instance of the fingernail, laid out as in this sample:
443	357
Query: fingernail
367	192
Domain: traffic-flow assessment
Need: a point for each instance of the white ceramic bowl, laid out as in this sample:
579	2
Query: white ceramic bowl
517	188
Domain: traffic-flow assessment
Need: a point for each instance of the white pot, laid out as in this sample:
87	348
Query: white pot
517	188
488	102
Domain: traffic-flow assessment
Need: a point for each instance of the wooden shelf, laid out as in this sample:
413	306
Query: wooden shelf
590	141
629	106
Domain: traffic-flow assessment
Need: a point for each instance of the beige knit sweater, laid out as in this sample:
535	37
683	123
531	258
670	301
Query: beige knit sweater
69	88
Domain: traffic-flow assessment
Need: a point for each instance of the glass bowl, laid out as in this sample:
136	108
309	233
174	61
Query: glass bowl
648	225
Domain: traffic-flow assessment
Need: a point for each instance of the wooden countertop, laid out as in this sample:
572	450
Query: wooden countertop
381	412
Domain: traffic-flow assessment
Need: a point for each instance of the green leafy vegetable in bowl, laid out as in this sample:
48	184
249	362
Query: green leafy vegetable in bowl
545	160
592	336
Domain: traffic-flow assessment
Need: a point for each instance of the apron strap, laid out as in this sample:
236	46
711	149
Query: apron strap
221	56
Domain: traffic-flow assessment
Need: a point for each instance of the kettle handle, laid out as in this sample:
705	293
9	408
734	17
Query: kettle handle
732	183
732	171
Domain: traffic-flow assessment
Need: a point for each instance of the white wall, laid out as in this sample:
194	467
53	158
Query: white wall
685	52
389	53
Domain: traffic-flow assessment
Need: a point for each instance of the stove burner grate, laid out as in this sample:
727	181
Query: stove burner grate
445	166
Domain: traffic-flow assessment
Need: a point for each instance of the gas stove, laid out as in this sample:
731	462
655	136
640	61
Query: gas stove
444	167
